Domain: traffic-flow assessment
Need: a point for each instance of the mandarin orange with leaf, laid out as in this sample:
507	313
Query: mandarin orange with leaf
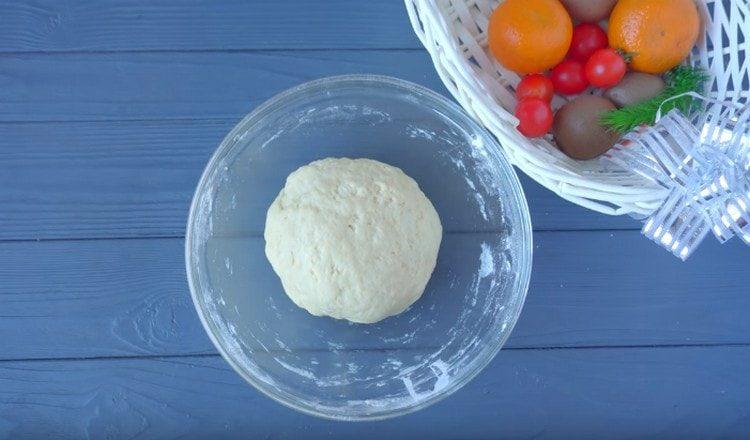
658	34
530	36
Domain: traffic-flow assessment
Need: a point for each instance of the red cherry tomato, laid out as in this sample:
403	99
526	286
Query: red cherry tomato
605	68
535	86
569	78
535	116
587	39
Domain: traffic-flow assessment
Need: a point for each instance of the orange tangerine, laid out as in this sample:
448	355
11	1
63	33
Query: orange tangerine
658	33
530	36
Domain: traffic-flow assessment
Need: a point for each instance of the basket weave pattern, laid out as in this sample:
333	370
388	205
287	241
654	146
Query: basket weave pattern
454	32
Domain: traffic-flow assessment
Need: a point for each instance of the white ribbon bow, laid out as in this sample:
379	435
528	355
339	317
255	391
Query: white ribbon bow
706	169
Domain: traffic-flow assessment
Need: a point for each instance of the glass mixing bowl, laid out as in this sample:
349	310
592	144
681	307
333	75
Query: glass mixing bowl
337	369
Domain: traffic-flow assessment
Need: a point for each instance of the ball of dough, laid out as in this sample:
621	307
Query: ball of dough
352	239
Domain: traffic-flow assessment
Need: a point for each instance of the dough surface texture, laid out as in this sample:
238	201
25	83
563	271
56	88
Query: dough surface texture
352	239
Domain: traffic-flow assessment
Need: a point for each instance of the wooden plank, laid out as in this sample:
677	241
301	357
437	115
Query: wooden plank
96	298
698	392
136	179
130	297
101	180
49	25
610	288
196	85
138	196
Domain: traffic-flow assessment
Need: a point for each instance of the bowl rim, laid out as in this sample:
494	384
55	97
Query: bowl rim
525	231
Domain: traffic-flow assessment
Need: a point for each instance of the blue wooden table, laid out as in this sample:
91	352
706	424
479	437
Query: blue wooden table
108	114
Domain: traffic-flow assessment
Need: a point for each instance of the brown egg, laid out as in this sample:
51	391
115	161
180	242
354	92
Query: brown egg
577	130
589	11
635	87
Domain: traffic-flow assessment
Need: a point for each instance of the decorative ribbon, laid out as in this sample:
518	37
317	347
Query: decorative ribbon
705	165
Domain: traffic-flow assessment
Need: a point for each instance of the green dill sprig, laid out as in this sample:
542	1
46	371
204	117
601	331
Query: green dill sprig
681	79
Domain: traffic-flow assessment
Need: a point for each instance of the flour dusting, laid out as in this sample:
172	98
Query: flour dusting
486	262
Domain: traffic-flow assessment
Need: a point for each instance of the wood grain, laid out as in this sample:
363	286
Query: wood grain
64	299
96	298
136	179
50	25
109	112
695	392
169	85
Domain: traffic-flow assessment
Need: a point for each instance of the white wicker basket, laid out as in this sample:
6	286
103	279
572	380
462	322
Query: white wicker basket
454	33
